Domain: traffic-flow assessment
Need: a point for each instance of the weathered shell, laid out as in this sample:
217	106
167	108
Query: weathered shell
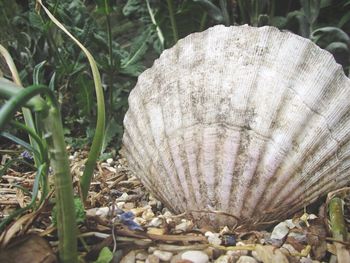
241	121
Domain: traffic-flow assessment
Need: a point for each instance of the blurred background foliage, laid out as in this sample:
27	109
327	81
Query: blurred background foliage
125	36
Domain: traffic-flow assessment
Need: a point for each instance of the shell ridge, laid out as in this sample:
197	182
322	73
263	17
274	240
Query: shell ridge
145	159
154	161
316	113
139	170
251	121
256	151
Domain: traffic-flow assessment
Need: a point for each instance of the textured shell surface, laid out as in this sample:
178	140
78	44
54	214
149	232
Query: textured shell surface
240	125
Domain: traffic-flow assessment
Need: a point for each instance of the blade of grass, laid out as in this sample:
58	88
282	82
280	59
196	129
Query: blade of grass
100	123
19	141
28	118
12	161
19	99
154	22
172	20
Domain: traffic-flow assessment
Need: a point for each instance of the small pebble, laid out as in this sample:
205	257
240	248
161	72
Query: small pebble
140	221
184	226
195	256
120	205
156	231
235	254
129	258
176	258
152	259
141	256
247	259
110	161
151	250
288	249
305	260
123	198
155	222
223	259
129	206
163	255
148	214
255	255
213	238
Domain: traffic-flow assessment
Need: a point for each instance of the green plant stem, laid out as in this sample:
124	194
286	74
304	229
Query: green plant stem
336	216
154	22
28	118
44	158
38	140
203	21
111	63
66	223
20	99
272	8
242	11
338	229
223	6
172	20
101	117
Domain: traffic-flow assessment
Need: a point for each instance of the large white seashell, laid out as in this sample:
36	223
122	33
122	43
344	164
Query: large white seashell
252	122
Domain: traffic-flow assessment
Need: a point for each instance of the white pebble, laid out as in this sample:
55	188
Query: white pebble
213	238
152	259
110	161
151	250
195	256
130	257
120	205
246	259
155	222
141	256
223	259
184	226
163	255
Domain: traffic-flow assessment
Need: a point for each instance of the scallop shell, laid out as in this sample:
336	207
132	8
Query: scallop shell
240	125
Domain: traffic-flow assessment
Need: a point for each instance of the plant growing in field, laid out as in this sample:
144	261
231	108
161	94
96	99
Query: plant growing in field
48	136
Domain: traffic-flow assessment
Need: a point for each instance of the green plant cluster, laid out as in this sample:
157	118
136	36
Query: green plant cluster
126	36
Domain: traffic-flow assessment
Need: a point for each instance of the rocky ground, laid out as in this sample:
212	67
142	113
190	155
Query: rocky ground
135	227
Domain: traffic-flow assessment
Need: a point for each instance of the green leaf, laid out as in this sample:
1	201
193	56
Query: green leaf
311	9
278	21
79	212
325	3
298	19
213	11
132	6
104	6
36	21
84	94
344	19
112	129
11	162
338	47
138	49
326	35
22	143
133	70
105	256
37	73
